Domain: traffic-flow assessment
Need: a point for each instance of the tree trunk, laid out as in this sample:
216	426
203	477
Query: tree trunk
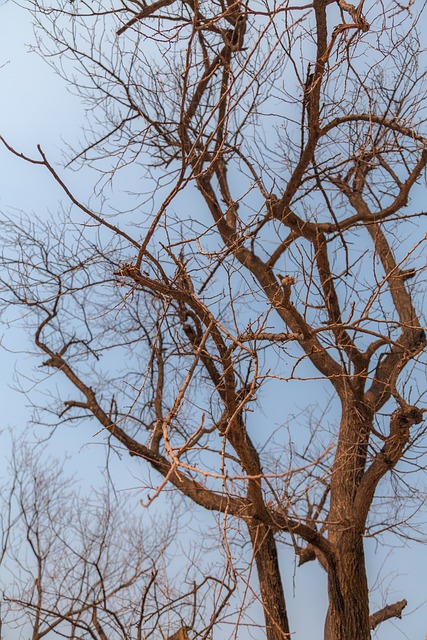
348	613
270	582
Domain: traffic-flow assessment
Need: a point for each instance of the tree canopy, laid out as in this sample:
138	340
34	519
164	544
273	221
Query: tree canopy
267	245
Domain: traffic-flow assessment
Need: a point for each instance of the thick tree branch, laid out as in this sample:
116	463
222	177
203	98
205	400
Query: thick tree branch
389	611
385	460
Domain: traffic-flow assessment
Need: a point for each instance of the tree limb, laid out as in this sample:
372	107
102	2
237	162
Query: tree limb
389	611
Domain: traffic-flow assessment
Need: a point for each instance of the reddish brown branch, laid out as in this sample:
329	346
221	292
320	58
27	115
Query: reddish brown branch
389	611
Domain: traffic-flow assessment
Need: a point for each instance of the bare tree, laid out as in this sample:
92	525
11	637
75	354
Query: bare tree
273	240
81	568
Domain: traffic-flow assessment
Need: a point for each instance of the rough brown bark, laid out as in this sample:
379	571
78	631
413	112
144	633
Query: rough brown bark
348	613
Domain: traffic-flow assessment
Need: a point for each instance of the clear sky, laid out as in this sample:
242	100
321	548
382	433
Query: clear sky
36	108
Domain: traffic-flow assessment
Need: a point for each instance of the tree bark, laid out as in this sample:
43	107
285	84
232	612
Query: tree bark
348	613
270	582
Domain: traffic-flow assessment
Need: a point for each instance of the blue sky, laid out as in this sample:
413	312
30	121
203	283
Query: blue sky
36	108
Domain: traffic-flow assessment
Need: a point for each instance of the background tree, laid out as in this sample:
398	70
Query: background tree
86	567
272	239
